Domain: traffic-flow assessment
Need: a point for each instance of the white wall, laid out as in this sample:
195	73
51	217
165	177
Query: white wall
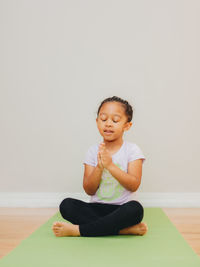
60	59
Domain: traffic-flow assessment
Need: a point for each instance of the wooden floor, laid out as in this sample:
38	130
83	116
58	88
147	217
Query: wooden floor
17	224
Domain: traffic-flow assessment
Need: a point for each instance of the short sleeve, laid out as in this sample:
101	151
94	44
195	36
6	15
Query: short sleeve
90	157
135	153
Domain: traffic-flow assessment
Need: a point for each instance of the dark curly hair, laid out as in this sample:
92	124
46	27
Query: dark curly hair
125	104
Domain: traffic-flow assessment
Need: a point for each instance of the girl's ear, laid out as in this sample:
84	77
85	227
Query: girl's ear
128	126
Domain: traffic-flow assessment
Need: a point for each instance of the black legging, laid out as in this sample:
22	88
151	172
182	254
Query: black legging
99	219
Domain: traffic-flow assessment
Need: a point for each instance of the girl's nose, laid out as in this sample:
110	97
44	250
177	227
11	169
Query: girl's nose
108	122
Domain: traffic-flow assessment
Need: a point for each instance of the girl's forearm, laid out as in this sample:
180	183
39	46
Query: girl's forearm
128	181
93	181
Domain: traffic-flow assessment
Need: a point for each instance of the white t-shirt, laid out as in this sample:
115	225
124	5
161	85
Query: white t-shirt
110	190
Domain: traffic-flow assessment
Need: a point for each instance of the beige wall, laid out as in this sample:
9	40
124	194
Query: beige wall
60	59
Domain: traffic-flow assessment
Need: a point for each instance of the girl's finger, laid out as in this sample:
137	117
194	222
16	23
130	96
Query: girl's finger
99	156
101	150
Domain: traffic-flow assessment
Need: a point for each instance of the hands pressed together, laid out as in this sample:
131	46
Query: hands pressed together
104	157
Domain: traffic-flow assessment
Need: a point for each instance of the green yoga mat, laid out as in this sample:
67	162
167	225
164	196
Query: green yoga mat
161	246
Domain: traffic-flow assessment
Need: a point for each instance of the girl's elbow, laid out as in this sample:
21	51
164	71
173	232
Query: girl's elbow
135	187
89	193
88	190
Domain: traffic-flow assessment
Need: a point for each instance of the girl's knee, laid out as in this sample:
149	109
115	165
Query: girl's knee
65	205
135	209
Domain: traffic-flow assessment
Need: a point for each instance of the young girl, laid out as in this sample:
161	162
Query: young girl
113	171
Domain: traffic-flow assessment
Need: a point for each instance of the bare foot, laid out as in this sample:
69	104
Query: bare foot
138	229
65	229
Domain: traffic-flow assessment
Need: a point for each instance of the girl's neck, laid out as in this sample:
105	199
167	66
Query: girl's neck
113	145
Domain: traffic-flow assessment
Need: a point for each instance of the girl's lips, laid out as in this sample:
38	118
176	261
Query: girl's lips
108	132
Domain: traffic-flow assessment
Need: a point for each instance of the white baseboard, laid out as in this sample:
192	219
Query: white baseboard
44	199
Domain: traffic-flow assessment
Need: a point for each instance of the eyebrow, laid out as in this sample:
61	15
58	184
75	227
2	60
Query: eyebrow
113	114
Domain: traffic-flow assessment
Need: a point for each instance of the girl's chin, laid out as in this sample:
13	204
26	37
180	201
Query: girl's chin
109	139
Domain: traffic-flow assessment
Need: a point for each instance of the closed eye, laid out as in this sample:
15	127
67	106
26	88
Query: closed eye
113	121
